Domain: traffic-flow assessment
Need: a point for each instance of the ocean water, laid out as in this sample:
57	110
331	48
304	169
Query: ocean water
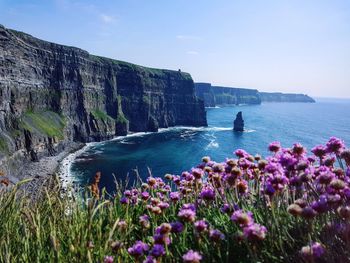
178	149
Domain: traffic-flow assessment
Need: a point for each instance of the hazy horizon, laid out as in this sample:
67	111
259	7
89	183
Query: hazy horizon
272	46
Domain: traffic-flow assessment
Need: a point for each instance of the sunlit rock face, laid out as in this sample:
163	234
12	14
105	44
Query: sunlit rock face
51	93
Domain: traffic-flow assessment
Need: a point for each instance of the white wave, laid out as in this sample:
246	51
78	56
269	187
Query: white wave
64	170
212	144
249	131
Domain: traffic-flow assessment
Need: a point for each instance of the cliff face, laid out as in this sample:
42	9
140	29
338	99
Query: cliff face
284	97
216	95
51	93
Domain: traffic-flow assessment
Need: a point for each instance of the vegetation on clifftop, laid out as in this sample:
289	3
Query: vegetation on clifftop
289	207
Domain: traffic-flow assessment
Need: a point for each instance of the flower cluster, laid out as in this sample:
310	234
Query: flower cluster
302	185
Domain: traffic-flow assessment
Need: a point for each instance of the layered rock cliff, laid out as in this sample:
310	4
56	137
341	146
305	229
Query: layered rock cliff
284	97
216	95
51	93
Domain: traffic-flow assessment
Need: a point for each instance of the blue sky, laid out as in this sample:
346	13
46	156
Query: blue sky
272	45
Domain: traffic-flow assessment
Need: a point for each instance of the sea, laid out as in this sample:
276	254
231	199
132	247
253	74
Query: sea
177	149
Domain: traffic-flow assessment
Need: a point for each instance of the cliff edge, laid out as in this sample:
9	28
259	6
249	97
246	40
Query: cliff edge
52	94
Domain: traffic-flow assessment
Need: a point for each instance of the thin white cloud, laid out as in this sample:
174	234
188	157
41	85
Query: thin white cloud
192	52
107	18
187	37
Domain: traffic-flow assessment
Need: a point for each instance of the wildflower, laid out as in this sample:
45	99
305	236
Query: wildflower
298	149
218	168
124	200
168	176
308	212
242	186
174	196
346	156
161	238
207	193
201	226
164	228
150	259
337	184
242	218
216	235
255	232
187	215
206	159
274	147
151	181
225	208
108	259
241	153
122	225
144	221
319	151
116	245
176	227
138	249
335	145
316	250
163	205
344	212
145	195
127	193
157	251
197	173
294	210
192	257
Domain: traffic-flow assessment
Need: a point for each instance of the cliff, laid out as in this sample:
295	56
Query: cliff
284	97
51	94
216	95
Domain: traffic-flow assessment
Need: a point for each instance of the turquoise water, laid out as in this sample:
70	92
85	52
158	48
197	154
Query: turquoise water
178	149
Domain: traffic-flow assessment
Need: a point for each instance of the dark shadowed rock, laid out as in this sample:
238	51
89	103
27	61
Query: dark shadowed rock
238	124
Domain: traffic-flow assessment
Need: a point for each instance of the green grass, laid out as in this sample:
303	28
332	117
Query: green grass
3	145
99	114
121	117
47	123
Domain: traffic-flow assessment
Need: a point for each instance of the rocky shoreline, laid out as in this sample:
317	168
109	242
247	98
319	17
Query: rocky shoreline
44	169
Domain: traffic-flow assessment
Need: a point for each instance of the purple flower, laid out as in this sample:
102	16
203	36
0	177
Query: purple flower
108	259
274	147
145	195
150	259
174	196
298	149
197	173
241	153
187	215
216	235
144	221
242	218
201	225
207	193
225	208
189	206
157	251
254	232
138	249
316	250
319	151
124	200
177	227
335	145
192	257
163	205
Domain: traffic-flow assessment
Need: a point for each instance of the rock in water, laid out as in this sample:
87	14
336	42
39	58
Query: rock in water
238	124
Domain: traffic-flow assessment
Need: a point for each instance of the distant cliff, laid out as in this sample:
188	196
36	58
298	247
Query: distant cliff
51	93
284	97
216	95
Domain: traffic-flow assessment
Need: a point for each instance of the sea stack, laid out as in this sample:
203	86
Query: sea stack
238	124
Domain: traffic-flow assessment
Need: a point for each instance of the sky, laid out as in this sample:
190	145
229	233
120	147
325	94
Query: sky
300	46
